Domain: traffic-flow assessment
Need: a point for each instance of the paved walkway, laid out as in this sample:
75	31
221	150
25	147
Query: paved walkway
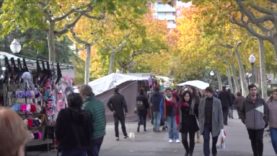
156	144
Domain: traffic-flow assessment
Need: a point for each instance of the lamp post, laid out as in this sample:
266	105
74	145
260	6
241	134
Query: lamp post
252	60
15	46
211	75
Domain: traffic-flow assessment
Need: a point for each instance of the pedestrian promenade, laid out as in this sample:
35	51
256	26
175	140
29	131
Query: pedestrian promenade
156	144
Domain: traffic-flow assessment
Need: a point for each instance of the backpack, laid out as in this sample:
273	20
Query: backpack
140	105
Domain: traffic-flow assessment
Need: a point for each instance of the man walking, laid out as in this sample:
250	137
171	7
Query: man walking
210	120
117	105
97	110
225	99
254	114
142	109
156	102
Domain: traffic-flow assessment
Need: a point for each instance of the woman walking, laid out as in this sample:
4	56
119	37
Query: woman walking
170	115
73	128
272	107
188	122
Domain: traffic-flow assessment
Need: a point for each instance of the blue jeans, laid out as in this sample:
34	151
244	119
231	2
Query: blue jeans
95	146
73	152
273	134
172	128
206	146
156	120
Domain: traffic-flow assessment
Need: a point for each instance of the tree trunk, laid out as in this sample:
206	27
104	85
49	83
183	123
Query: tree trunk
219	80
51	43
235	79
229	78
243	82
87	66
112	57
274	43
262	69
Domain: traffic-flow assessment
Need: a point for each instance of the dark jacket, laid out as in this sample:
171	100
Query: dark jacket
144	100
156	100
118	104
188	119
254	114
225	99
73	129
238	103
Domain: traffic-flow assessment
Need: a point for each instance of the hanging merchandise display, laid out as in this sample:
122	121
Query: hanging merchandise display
37	94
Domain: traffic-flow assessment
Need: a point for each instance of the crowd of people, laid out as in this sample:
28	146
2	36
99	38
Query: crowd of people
189	111
80	128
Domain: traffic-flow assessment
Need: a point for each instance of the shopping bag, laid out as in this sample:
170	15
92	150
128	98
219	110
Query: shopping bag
221	141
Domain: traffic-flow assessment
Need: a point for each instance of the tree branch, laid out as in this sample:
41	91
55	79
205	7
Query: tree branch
60	18
68	26
248	28
253	19
262	10
78	39
100	17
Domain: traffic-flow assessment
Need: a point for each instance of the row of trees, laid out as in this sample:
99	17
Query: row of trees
112	35
228	32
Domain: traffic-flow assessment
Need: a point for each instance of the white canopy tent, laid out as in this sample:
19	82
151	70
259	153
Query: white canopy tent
110	81
195	83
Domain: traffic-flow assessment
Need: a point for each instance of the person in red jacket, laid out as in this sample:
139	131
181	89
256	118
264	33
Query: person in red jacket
170	115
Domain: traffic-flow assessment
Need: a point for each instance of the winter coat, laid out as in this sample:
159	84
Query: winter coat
73	129
156	100
145	103
272	116
188	120
97	110
225	99
118	104
238	103
254	114
217	116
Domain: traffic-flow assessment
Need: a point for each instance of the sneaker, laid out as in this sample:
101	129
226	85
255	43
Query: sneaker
117	138
170	140
177	141
126	137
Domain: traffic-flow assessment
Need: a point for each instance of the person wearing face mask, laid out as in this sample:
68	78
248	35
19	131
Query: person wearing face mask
254	114
272	118
210	117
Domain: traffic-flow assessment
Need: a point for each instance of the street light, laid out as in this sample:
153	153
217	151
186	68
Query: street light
252	60
212	73
15	46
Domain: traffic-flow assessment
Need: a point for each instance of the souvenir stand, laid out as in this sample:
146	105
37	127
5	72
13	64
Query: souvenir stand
36	92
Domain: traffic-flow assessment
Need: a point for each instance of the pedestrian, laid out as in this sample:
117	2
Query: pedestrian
210	120
14	134
272	107
170	109
195	99
188	120
156	100
142	109
73	128
118	106
231	106
97	110
254	114
238	103
225	99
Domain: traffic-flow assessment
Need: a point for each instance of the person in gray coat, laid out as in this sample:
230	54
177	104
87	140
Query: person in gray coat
210	120
254	114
